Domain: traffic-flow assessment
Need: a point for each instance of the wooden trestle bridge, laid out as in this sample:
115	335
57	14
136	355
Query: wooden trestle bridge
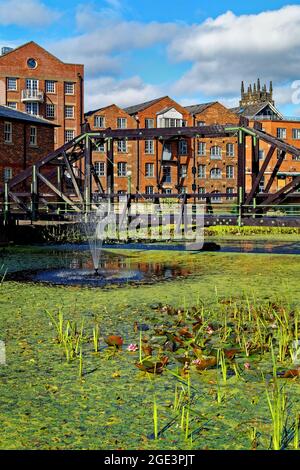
64	177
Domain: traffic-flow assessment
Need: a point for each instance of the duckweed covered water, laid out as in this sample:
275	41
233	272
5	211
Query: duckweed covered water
45	405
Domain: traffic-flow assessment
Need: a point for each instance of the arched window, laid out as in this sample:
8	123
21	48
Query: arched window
216	173
216	151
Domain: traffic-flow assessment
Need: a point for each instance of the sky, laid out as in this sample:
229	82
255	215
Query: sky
192	50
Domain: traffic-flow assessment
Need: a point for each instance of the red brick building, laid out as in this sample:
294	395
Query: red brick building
24	139
34	81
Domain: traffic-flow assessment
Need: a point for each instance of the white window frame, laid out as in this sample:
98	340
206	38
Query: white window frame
99	168
149	189
203	174
296	134
149	170
122	169
201	149
281	132
122	146
69	86
217	172
183	170
149	121
50	87
230	172
69	107
30	108
149	147
5	171
10	103
32	84
230	150
182	147
33	136
7	132
122	123
215	155
99	121
12	80
67	139
50	106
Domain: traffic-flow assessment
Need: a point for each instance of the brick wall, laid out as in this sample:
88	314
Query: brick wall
14	64
19	154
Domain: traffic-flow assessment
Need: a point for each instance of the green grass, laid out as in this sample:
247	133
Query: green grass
102	400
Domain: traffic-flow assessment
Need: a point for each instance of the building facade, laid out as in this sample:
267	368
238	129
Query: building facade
24	139
36	82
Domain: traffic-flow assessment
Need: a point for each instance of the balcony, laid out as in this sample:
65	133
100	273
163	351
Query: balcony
32	95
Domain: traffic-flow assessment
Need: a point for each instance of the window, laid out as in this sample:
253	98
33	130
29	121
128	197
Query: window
7	174
149	170
99	168
201	149
261	154
182	190
32	108
261	186
281	133
8	132
167	191
12	104
149	147
229	191
122	169
101	148
69	112
31	63
121	123
69	135
50	86
230	150
33	136
166	174
149	189
201	190
182	147
183	171
201	171
296	134
11	84
99	122
230	171
170	122
216	198
216	152
216	173
200	123
69	88
149	123
122	146
50	110
32	84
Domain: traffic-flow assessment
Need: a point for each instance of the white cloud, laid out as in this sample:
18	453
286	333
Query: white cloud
30	13
107	90
229	48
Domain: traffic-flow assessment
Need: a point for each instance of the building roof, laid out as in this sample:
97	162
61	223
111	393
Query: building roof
141	106
89	113
252	110
12	114
199	108
39	47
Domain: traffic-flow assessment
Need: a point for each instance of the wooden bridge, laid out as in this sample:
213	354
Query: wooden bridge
61	183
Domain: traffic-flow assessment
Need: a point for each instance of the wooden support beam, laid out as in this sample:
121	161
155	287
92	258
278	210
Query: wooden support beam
70	170
34	193
255	184
241	179
110	166
275	171
87	173
282	193
59	193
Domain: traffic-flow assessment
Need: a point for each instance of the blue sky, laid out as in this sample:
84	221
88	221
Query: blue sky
194	51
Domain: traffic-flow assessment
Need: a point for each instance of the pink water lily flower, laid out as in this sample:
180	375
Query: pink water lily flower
247	365
196	362
209	330
132	347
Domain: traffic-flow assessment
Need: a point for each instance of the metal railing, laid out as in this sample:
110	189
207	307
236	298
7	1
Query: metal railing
32	95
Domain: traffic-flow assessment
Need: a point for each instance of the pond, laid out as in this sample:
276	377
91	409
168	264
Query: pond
72	264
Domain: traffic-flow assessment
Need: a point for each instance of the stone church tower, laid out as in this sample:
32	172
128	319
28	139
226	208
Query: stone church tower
256	95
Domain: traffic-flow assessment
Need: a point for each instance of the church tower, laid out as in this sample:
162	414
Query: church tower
256	95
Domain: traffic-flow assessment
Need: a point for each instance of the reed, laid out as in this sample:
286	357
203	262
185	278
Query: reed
96	338
155	418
